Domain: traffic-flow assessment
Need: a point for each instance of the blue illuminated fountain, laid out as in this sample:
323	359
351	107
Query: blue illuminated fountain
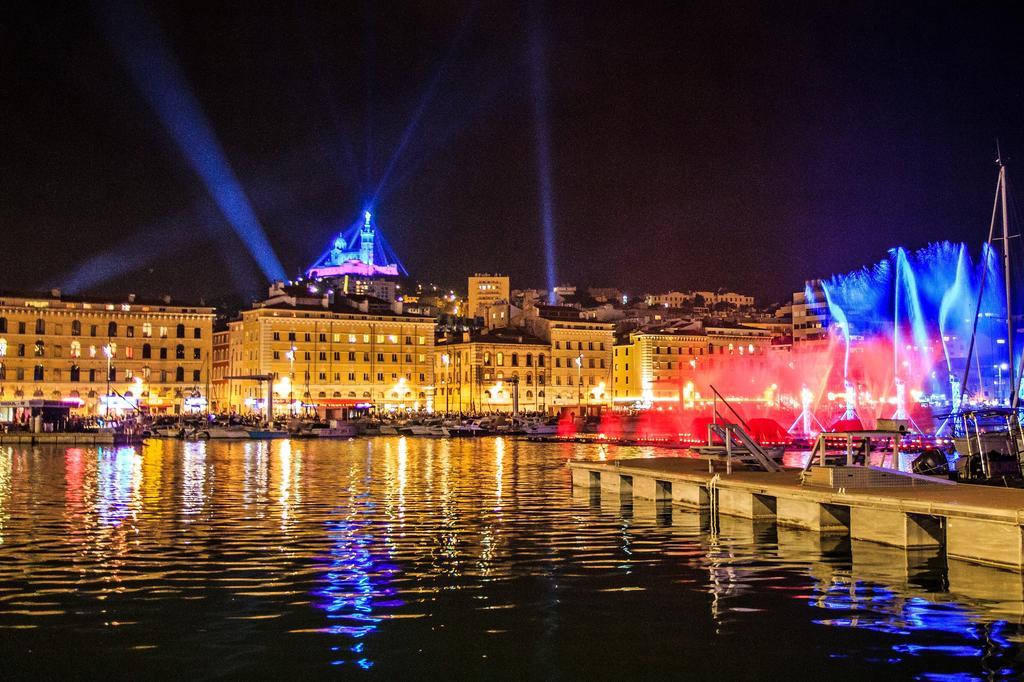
919	308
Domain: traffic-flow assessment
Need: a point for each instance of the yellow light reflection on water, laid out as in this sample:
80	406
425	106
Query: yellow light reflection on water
193	482
499	456
288	493
6	454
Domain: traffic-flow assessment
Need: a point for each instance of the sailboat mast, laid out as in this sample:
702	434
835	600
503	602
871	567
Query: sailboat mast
1006	283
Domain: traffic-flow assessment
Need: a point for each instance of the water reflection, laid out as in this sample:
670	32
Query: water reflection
355	587
194	478
289	474
119	482
411	556
255	473
954	630
6	466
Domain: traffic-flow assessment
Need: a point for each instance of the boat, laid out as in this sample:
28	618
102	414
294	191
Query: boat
332	429
342	431
215	432
989	443
470	429
175	431
545	428
267	434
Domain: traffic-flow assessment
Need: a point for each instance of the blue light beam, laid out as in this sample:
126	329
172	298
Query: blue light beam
538	83
139	44
425	99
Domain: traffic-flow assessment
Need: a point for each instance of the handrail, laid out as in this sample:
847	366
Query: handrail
726	402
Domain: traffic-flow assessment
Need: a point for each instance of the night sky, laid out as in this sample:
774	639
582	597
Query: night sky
693	145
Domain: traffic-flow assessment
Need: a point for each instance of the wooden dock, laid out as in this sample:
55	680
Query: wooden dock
976	524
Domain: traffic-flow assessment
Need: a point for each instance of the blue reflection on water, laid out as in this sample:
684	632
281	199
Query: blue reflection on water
115	485
354	585
879	609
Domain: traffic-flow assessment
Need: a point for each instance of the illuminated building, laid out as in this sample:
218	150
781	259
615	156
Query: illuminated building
605	294
220	369
581	356
123	353
359	262
354	254
330	352
564	290
486	290
485	370
656	363
676	299
647	366
810	315
501	315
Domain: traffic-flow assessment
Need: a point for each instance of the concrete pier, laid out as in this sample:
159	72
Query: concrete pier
57	438
975	524
824	518
986	542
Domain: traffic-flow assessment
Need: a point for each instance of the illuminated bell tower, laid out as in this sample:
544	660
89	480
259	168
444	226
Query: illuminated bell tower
366	240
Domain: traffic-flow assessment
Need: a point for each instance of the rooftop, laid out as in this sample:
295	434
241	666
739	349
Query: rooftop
508	335
116	299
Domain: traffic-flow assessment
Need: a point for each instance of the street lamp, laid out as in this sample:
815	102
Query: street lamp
579	385
515	394
290	354
108	352
445	380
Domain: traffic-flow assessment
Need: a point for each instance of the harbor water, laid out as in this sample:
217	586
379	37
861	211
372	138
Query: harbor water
399	557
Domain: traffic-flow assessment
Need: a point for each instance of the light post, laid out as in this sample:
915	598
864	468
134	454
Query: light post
445	360
290	354
579	385
108	352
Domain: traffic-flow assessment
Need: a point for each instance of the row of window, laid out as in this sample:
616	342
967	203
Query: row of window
528	380
690	350
112	329
407	395
307	337
486	376
75	350
75	374
454	392
352	356
579	345
322	377
571	362
499	359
